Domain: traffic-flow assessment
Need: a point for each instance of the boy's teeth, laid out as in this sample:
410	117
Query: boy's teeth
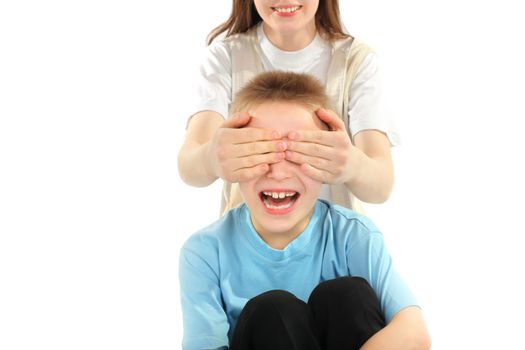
271	206
285	206
279	194
270	197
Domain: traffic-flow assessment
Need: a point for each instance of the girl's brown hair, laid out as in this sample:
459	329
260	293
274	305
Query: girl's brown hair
244	16
278	86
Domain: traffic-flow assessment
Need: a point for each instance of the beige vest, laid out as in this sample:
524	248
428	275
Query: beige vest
347	56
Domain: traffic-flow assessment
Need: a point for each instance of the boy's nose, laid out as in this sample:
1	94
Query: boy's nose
280	170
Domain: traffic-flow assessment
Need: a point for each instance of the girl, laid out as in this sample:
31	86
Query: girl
303	36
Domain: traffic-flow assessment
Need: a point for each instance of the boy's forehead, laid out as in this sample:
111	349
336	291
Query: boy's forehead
284	116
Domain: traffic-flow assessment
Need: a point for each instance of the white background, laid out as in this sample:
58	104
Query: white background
93	104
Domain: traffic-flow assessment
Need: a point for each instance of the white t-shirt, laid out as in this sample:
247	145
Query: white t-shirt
366	108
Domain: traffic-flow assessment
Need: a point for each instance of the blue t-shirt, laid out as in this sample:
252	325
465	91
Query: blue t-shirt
227	263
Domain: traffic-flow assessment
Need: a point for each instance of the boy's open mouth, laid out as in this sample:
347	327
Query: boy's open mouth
279	201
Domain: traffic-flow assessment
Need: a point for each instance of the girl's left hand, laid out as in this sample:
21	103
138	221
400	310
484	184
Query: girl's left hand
326	156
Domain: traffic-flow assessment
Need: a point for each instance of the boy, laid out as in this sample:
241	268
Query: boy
286	270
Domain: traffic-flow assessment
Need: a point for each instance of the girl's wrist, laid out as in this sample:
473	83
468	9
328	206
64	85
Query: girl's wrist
207	160
355	167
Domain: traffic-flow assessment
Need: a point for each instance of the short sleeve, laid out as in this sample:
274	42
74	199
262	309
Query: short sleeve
368	258
214	80
204	319
367	106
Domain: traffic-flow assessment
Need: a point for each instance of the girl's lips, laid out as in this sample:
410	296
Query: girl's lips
286	10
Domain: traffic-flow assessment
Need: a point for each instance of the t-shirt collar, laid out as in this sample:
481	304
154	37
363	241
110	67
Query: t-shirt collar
288	60
298	245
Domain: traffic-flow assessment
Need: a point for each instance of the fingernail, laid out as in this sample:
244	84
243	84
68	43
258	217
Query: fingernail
276	135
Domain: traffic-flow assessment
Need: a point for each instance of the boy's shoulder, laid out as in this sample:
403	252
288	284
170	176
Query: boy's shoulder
215	232
346	219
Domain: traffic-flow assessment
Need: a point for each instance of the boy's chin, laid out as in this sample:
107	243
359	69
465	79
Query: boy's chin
279	227
285	224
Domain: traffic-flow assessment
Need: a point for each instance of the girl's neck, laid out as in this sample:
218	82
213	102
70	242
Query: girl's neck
293	41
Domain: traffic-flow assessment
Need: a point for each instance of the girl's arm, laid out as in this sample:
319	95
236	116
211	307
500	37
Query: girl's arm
406	331
365	167
216	148
374	179
194	168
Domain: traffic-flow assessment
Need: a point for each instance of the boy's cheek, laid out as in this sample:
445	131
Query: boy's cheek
314	190
247	192
311	184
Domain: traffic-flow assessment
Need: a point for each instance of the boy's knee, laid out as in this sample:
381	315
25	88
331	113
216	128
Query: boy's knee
275	306
276	320
346	308
271	300
349	291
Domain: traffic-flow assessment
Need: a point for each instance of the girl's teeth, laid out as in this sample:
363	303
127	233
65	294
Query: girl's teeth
288	9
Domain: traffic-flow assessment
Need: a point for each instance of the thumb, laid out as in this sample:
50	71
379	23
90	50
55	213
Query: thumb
238	120
331	119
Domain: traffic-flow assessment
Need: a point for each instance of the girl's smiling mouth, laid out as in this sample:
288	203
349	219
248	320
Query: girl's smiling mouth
286	11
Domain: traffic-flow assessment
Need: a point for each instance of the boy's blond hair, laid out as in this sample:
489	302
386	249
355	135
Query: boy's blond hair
278	86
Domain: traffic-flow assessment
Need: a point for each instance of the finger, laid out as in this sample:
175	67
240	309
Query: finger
259	147
246	135
317	162
316	174
314	136
331	119
246	174
238	120
254	160
310	148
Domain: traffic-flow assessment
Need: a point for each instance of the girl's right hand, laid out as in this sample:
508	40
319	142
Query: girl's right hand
240	153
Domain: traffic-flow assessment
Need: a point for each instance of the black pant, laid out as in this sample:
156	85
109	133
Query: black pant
342	313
